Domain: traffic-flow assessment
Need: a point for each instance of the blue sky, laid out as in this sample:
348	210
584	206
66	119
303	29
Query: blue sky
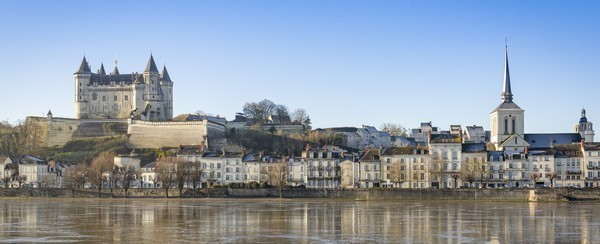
346	62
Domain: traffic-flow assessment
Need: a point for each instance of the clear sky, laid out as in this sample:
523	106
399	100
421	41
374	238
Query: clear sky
347	63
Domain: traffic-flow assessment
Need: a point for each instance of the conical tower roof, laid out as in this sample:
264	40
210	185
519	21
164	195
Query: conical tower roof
115	71
102	71
507	95
151	66
165	75
84	67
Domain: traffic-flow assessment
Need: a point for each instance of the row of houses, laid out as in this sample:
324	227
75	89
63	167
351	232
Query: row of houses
446	163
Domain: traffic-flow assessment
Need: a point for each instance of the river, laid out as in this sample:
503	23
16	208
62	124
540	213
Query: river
61	220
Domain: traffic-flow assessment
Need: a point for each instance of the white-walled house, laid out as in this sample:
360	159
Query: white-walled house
370	168
32	170
148	173
445	163
405	167
322	166
127	161
592	164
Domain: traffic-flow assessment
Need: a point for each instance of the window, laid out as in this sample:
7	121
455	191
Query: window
94	96
115	98
513	128
126	98
505	126
104	98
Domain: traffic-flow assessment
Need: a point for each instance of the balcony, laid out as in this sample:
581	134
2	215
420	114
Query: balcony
573	172
593	167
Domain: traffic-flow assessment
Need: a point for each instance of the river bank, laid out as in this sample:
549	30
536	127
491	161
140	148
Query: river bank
562	194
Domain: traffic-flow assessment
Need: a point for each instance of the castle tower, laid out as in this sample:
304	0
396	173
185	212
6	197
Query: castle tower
508	118
153	107
82	79
585	128
167	90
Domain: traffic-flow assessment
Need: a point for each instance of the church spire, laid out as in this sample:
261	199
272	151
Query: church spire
84	67
151	66
507	95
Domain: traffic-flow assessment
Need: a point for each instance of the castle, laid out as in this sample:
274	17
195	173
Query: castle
147	96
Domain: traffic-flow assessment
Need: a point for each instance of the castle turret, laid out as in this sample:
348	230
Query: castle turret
82	79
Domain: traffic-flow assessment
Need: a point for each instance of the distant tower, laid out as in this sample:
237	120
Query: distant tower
82	78
585	128
508	118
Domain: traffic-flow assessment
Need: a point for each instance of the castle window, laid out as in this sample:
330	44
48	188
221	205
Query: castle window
505	126
126	98
94	96
115	98
104	98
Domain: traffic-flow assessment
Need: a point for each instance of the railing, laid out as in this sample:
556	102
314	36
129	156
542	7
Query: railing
593	167
573	172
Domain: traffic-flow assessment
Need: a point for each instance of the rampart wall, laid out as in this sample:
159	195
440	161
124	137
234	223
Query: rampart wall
145	134
58	131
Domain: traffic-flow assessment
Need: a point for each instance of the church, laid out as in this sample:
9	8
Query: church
507	124
147	96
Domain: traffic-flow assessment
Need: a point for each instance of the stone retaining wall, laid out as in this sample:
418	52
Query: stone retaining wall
353	194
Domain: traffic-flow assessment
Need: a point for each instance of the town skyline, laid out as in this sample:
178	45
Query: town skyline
371	70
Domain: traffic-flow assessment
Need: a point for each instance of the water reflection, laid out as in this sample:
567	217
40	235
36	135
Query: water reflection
293	220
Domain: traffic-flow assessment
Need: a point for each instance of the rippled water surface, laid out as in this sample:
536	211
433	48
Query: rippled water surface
293	221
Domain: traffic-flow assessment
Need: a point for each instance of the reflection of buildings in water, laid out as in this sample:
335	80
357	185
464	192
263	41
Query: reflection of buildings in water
118	220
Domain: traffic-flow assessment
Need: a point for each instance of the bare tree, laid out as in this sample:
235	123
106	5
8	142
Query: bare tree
437	171
181	174
455	178
129	176
255	112
196	172
299	116
165	172
100	169
6	180
469	171
115	177
140	178
277	175
398	173
75	177
552	177
283	113
534	178
394	129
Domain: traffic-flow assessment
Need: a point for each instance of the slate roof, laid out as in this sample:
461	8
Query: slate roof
371	155
473	147
165	75
151	66
507	105
338	129
31	159
101	71
444	138
84	67
150	165
115	71
125	78
546	140
407	140
495	155
404	151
